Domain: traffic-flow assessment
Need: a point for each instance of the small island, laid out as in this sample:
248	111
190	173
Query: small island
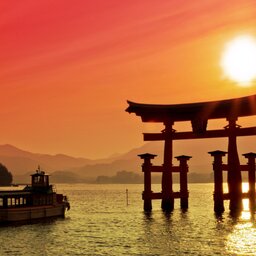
5	176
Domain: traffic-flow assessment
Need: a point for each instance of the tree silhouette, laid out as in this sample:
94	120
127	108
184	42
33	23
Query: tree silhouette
5	176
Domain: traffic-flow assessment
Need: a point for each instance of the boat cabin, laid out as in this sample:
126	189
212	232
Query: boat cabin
40	192
9	199
40	180
40	183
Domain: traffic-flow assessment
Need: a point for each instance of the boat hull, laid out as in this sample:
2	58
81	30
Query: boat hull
32	213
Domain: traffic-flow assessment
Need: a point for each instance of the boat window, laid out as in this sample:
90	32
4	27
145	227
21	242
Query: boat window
1	202
17	201
9	201
41	179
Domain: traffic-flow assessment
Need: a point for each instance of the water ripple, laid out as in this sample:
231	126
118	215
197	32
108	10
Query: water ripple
100	223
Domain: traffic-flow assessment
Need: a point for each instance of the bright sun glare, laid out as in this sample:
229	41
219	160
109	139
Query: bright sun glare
239	60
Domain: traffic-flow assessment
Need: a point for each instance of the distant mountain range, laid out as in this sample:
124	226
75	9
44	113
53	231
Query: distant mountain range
19	161
64	168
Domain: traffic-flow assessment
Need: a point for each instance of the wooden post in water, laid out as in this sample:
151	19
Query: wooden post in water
167	193
183	181
251	178
218	181
127	197
234	172
147	193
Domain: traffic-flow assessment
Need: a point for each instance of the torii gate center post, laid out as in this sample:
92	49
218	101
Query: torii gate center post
199	114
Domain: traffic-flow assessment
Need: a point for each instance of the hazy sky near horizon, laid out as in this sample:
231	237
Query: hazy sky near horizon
68	67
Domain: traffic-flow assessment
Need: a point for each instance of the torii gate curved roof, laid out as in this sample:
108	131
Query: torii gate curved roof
230	108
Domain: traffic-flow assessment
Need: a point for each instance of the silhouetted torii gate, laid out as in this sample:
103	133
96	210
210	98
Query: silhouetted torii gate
199	114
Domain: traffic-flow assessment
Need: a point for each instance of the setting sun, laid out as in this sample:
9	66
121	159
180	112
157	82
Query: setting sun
239	60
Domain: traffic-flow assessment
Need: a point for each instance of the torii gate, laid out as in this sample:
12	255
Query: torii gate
199	114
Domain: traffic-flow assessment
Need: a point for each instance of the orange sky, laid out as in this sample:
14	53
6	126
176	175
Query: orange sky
68	67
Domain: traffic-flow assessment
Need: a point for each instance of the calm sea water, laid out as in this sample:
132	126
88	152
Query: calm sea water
101	223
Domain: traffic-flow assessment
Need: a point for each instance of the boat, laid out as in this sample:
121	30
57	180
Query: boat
36	201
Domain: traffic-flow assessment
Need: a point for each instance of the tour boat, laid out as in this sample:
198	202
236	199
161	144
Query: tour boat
36	201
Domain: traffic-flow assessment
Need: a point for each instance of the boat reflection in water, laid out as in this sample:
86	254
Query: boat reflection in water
36	201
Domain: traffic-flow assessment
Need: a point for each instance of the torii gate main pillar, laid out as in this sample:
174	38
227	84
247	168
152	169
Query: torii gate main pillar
167	199
234	172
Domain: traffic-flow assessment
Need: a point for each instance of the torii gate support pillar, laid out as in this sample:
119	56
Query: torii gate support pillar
251	178
183	181
218	181
147	193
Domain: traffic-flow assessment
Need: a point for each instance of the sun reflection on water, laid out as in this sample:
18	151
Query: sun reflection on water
242	239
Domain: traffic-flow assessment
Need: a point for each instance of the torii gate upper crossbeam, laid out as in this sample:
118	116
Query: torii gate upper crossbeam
248	131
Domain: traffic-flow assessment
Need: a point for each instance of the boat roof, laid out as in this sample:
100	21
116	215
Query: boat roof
40	174
230	108
14	193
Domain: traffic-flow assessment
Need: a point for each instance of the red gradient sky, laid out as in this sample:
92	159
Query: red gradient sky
68	67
